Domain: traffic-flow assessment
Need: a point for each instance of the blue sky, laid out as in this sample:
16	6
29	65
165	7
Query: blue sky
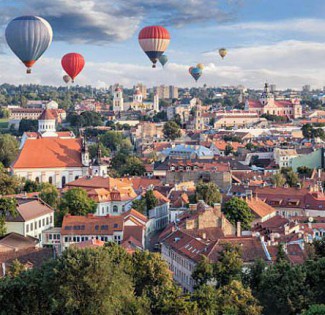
279	41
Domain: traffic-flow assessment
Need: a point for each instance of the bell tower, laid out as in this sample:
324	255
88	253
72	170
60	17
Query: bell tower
118	102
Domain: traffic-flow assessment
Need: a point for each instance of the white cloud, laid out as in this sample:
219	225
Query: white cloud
287	64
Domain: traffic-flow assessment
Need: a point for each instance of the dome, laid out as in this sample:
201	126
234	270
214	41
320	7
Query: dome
137	92
118	89
47	114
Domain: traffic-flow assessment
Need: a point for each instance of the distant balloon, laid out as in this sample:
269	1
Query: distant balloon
66	78
223	52
200	66
72	64
163	60
196	73
29	37
190	69
154	40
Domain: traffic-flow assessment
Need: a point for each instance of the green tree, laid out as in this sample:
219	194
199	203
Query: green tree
140	205
16	268
283	289
151	200
93	148
8	184
112	140
133	166
76	202
209	192
27	125
304	171
237	210
319	247
234	298
31	186
203	272
316	309
206	298
8	207
8	149
171	130
291	177
229	149
281	254
49	194
278	180
307	131
229	266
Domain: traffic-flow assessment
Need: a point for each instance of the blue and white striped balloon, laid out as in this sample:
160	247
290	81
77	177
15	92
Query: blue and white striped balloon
29	37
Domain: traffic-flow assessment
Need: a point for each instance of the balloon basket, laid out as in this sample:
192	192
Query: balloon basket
29	71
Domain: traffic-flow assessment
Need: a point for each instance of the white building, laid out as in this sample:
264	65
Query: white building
33	217
50	156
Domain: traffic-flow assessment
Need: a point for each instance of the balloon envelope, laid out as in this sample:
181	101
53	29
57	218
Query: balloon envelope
200	66
154	40
223	52
190	69
66	78
72	64
163	60
196	73
29	37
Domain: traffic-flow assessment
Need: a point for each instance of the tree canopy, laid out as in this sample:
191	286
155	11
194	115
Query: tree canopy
171	130
8	149
209	192
237	210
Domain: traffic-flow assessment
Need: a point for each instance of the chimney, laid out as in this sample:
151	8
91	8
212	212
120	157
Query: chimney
204	235
238	229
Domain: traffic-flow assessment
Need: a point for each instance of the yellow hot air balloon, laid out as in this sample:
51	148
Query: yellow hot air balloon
223	52
200	66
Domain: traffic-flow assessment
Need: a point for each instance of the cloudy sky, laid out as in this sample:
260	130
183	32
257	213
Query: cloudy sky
279	41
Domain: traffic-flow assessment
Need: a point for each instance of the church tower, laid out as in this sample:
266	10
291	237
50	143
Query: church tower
46	124
137	96
84	153
156	102
118	102
266	96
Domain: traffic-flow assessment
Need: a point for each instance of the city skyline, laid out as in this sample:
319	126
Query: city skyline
281	43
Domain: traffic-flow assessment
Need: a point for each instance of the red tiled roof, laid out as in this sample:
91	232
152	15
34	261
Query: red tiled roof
260	208
91	225
49	153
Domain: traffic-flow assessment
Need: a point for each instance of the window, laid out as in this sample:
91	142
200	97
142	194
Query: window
37	179
31	226
76	177
35	225
115	208
50	179
39	223
63	181
51	219
27	228
44	222
47	221
50	236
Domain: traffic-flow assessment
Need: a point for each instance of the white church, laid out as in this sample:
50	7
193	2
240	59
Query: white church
137	103
50	156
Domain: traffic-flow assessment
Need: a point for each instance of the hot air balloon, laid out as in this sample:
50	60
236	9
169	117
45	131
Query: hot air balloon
163	60
66	78
72	64
190	69
28	37
154	40
223	52
200	66
196	73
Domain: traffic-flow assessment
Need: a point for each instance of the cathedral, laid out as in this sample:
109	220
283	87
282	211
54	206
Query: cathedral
51	156
268	105
137	102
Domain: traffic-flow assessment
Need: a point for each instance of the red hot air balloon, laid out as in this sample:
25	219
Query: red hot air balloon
72	64
154	40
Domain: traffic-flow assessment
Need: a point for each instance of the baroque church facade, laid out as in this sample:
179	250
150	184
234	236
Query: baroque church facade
50	156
